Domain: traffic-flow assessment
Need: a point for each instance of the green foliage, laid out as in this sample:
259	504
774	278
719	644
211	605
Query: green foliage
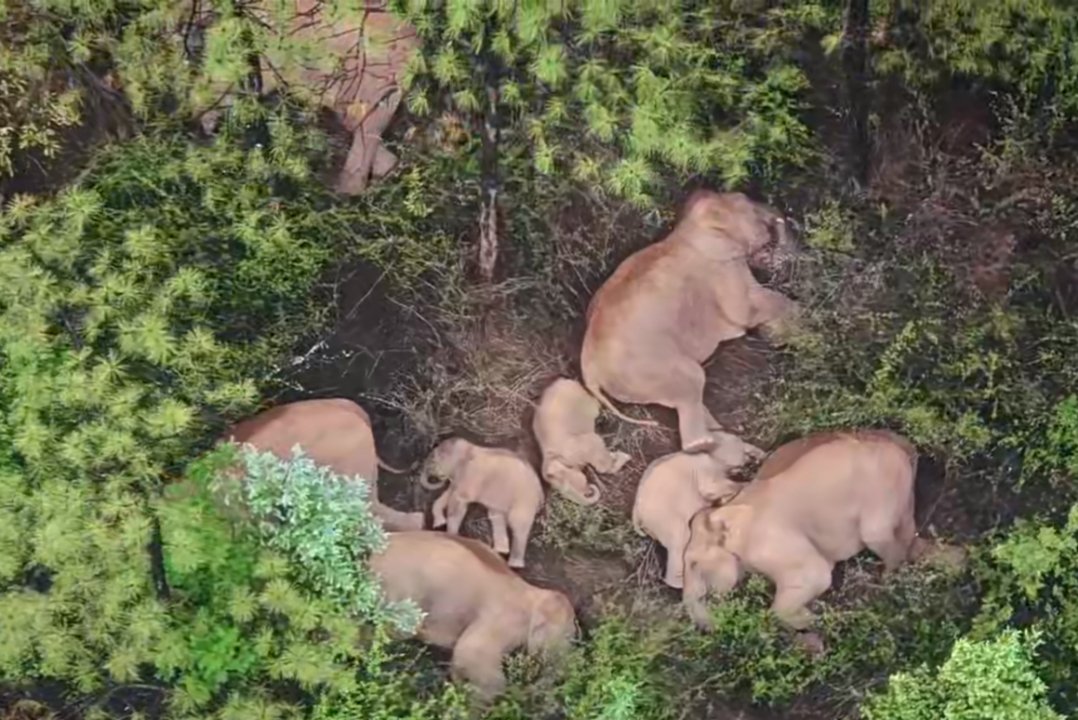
644	82
617	676
34	107
830	228
281	593
1029	580
568	525
1019	46
959	376
137	309
325	525
986	680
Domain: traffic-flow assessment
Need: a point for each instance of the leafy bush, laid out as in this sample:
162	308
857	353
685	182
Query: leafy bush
987	680
644	82
1029	580
139	309
324	524
280	594
1019	46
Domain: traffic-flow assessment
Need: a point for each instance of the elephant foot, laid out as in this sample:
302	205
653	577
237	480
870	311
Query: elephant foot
812	643
675	582
501	549
516	563
620	459
349	183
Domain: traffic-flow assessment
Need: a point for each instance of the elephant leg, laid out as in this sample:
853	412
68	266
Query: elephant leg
520	523
598	455
456	509
478	660
684	391
438	510
773	312
892	544
675	557
793	595
712	423
366	139
397	521
499	531
384	162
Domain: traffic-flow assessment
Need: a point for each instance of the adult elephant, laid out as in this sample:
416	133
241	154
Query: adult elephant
333	432
667	307
361	86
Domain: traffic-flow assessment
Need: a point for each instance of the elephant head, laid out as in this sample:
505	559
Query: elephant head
761	232
570	482
730	451
712	564
443	461
552	624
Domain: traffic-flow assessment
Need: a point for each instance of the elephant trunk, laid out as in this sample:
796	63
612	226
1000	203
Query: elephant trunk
589	496
424	478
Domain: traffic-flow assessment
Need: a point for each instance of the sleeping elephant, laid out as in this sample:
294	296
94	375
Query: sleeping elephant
672	490
499	480
362	88
667	307
473	604
564	426
818	503
332	432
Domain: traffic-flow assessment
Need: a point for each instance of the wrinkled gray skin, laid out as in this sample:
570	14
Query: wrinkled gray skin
499	480
564	426
334	432
473	604
667	307
672	490
815	502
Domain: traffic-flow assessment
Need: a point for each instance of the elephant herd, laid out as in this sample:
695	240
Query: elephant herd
812	503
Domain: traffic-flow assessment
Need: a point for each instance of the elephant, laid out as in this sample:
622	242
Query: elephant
672	489
500	480
816	504
473	604
564	426
334	432
667	307
362	90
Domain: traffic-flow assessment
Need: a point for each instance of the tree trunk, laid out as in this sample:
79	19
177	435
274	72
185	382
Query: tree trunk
856	69
489	185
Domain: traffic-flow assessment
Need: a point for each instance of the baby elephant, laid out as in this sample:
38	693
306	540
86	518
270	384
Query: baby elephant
473	604
564	426
500	480
810	506
673	489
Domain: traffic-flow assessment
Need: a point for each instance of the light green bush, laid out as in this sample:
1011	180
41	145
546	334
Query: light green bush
325	525
986	680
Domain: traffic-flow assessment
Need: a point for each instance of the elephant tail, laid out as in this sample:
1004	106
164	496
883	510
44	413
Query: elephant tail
636	523
396	471
594	386
436	484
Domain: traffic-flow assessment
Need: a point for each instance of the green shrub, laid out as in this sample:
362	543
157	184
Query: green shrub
1018	46
281	593
987	680
622	93
1029	580
138	310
